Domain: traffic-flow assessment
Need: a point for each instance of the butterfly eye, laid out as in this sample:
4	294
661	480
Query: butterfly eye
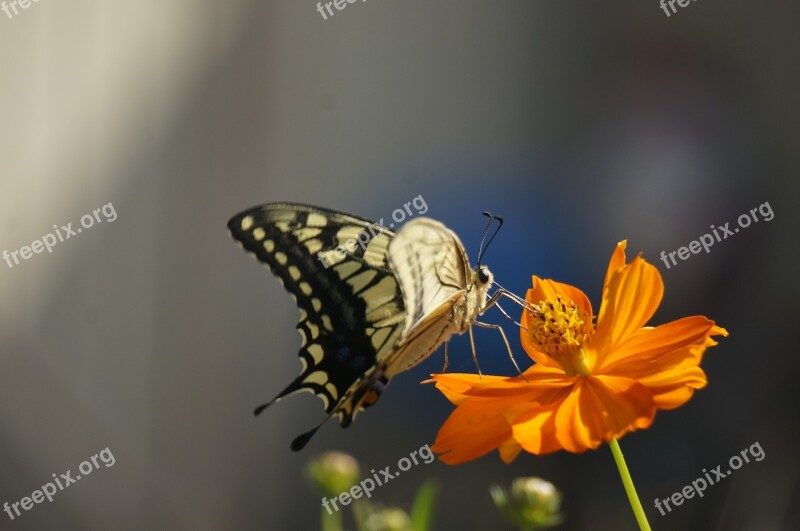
483	275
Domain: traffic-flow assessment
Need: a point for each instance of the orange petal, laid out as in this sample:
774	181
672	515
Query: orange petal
509	450
646	346
666	359
535	429
475	428
674	386
630	299
537	385
457	386
550	290
486	407
617	260
601	408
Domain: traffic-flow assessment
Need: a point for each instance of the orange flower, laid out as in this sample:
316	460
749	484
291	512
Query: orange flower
590	383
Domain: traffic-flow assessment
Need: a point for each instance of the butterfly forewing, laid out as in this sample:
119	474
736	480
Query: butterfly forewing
351	307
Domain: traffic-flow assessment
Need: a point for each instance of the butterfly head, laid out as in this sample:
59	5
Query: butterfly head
478	291
482	277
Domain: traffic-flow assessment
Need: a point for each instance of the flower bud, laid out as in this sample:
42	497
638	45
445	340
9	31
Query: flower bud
531	503
389	519
333	472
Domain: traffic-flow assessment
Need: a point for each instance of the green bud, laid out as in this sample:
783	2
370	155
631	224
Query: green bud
532	503
333	472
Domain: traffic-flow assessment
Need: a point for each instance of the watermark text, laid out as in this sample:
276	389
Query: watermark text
671	4
700	484
324	8
59	483
367	485
60	234
717	234
334	256
8	7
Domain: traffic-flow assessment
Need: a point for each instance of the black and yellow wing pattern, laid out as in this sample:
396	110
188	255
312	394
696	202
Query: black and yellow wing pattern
351	307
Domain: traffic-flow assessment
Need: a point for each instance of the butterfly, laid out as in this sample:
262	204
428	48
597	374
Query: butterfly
373	302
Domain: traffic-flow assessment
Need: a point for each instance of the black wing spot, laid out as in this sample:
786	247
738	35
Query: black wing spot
343	353
358	363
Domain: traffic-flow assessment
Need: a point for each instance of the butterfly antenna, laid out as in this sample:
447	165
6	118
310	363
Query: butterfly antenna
500	219
483	249
485	232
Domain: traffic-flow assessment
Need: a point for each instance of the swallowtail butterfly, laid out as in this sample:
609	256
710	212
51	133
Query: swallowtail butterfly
373	302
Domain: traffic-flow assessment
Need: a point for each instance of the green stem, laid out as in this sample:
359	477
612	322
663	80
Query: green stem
361	512
630	490
331	522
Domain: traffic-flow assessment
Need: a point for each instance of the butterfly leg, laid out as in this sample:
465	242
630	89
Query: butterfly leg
502	292
508	316
505	340
474	354
446	361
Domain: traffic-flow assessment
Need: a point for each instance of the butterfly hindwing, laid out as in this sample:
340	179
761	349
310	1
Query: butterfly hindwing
351	307
432	268
430	263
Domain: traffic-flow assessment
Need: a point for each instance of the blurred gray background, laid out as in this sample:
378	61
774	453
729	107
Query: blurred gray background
583	123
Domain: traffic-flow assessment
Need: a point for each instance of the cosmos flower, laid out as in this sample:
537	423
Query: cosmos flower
591	383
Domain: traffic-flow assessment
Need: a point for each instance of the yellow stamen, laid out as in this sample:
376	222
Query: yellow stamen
558	328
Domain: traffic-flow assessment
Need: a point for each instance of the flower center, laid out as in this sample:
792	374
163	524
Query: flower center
558	328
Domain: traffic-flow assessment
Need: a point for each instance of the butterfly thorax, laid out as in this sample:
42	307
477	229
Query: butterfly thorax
467	310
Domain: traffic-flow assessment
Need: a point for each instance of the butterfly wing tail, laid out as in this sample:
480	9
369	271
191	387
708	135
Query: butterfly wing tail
294	387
